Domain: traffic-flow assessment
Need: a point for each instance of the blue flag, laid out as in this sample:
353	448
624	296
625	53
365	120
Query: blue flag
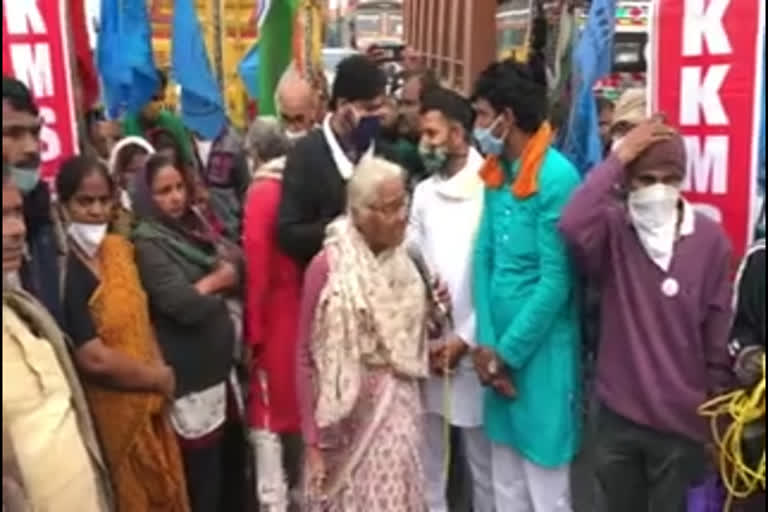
124	56
249	70
202	106
592	59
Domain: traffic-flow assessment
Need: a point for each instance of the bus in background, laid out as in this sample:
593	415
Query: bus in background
376	22
513	19
513	22
513	26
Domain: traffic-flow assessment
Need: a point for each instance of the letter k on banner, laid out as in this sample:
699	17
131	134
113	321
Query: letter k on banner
706	74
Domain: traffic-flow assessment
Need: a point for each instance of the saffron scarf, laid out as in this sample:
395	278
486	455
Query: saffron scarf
526	184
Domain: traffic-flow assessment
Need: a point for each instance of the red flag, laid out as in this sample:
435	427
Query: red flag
86	69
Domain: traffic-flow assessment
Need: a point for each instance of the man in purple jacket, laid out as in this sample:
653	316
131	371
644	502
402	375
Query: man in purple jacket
663	272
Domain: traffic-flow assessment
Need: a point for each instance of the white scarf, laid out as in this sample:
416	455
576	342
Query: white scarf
372	311
658	230
465	184
125	198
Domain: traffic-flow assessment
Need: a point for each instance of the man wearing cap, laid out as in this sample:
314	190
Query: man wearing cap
663	273
629	111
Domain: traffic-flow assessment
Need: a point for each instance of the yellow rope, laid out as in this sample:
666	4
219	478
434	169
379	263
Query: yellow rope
739	409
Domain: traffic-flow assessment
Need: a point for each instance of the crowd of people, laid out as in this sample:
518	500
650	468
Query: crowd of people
388	301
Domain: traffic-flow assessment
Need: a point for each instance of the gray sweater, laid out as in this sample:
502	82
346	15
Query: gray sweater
195	331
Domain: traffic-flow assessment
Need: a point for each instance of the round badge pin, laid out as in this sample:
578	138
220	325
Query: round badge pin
670	287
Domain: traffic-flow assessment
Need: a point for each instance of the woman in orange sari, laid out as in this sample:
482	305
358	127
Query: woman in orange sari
126	380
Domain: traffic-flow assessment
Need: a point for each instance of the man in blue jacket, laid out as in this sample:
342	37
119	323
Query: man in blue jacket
22	154
525	295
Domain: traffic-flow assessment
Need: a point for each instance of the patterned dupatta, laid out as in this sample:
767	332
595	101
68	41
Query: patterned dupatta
371	313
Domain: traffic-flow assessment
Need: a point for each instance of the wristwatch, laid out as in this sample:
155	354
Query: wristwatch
493	367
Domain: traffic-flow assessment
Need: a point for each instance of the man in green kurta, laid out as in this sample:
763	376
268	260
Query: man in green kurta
526	296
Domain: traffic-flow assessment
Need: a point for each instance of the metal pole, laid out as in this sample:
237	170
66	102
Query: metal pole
217	41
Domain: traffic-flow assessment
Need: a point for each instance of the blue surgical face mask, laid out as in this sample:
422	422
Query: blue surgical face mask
490	145
26	178
366	132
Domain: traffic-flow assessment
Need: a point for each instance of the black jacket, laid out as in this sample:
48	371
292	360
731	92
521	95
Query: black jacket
314	194
195	332
40	274
749	324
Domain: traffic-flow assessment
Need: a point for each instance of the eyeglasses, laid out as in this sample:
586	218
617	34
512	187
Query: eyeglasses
391	209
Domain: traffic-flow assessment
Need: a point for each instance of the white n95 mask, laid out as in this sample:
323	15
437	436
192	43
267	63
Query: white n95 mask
88	237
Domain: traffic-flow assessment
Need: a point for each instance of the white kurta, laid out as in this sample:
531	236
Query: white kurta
444	221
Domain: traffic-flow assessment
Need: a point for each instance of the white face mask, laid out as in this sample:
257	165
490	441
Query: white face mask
294	136
88	237
655	212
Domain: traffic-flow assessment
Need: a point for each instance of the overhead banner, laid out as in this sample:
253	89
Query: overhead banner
706	75
35	51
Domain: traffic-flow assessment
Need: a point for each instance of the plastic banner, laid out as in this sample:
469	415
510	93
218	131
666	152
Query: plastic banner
36	51
706	75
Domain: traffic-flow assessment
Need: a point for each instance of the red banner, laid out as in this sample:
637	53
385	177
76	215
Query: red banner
706	72
35	50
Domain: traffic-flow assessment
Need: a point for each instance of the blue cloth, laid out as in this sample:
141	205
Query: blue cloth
592	59
124	54
527	305
249	69
202	105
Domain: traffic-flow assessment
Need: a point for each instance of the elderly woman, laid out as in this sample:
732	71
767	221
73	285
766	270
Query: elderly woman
272	307
362	354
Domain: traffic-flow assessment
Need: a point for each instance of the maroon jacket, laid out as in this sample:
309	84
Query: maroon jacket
663	349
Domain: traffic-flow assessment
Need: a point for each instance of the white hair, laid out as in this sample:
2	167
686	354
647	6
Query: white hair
266	140
371	172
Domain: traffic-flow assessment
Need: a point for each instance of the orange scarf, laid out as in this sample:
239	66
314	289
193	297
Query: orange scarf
138	441
527	182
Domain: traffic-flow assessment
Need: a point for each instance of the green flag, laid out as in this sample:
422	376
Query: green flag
276	49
